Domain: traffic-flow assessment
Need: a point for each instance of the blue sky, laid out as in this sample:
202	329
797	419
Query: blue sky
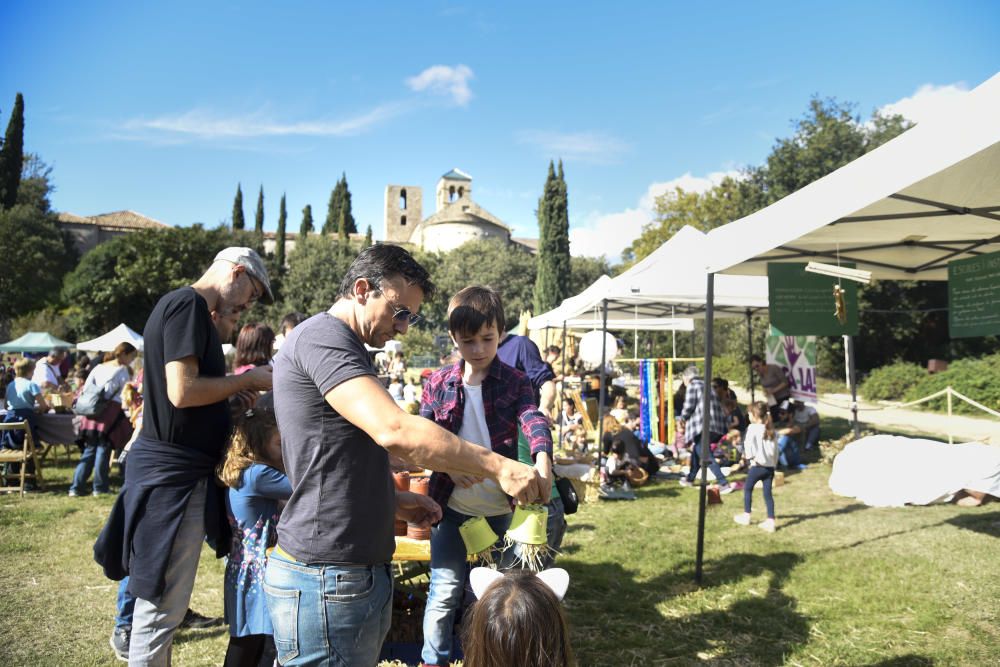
162	108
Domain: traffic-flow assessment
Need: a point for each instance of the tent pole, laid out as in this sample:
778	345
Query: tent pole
673	352
853	379
706	412
604	388
750	346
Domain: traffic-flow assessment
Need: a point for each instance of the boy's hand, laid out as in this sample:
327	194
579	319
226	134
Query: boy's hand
543	466
520	481
464	481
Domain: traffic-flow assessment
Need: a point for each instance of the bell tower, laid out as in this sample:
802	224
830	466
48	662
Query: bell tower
403	212
454	185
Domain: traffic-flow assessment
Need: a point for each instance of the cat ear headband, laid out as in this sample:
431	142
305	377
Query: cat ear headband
555	578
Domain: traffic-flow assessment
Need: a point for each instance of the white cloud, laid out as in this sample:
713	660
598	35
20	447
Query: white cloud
592	147
610	233
204	124
444	80
927	102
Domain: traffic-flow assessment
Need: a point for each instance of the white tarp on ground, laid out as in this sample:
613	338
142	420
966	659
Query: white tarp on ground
892	471
109	341
902	211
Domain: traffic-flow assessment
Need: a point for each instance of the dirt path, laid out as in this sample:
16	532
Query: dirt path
875	416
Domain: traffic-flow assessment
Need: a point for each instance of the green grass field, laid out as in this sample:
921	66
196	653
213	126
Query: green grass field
838	584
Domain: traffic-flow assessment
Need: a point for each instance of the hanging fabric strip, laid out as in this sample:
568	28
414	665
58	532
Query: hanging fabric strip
644	405
654	401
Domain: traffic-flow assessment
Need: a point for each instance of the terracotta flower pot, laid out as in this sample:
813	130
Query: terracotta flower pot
420	484
401	480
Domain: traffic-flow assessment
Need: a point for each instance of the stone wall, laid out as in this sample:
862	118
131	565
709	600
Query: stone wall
400	221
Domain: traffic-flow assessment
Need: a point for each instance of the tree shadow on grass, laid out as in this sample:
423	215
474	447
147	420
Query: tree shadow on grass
792	519
606	597
908	660
988	524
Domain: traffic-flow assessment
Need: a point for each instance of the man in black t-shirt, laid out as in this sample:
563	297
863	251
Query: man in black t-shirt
168	503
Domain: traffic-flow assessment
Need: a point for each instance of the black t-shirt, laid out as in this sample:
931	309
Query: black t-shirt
181	326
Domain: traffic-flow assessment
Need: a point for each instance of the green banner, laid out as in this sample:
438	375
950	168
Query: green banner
803	304
974	296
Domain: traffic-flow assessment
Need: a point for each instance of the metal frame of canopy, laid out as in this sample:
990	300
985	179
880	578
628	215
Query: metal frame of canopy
902	211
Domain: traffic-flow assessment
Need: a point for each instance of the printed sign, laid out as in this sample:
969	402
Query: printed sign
796	356
803	304
974	296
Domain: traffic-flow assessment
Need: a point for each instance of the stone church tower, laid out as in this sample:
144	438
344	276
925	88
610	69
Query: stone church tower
403	212
454	185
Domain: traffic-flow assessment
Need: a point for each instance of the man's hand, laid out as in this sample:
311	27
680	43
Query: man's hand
417	509
520	481
259	379
242	401
543	466
464	481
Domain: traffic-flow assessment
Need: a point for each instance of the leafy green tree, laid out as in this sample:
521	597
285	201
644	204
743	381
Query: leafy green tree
315	270
368	237
585	270
340	206
258	223
553	279
307	222
349	223
279	239
39	255
122	279
238	221
333	210
12	155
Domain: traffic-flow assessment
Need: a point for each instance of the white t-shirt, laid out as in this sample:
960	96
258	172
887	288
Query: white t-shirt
109	376
803	416
396	391
45	372
485	498
758	449
409	393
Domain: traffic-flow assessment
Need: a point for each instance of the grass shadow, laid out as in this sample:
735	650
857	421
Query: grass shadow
792	519
988	524
908	660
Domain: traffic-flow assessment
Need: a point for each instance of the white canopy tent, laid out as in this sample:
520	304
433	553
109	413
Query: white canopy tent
109	341
902	211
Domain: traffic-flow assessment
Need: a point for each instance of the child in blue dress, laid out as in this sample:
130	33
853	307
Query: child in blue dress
254	472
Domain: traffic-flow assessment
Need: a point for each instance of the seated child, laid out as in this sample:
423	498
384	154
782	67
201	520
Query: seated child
518	620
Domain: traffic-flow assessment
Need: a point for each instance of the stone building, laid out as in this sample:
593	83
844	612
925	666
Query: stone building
90	231
457	219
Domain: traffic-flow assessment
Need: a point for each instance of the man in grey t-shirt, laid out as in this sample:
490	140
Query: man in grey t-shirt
328	582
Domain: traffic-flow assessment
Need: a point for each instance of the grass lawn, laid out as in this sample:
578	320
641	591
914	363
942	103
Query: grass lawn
838	584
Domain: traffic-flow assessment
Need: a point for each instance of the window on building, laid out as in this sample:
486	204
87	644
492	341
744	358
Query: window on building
451	194
402	221
402	200
461	192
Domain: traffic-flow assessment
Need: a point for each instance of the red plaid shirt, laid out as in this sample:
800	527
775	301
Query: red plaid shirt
508	401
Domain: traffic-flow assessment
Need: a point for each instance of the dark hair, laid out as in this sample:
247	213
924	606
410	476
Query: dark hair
553	349
720	382
618	447
254	345
473	307
756	357
251	433
383	261
518	621
292	319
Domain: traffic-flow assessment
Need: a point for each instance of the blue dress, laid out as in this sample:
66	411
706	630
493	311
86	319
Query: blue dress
253	515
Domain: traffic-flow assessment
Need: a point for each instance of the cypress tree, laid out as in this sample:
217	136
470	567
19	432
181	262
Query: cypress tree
368	237
12	155
333	210
345	203
307	222
279	240
238	221
546	295
342	226
258	223
560	237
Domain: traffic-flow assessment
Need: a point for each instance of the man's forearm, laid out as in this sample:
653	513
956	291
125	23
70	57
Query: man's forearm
201	390
423	442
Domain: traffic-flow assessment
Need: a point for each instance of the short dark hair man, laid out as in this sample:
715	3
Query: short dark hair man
338	426
169	502
774	382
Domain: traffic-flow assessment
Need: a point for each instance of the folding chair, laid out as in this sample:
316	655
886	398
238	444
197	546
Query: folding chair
22	456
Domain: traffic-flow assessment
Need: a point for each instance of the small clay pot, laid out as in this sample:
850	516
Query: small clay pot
416	533
714	497
420	485
399	528
401	480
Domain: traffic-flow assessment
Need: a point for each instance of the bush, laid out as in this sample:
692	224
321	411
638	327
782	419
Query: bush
731	367
979	379
892	382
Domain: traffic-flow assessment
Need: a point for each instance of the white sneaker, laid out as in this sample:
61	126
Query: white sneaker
742	518
767	526
684	482
728	488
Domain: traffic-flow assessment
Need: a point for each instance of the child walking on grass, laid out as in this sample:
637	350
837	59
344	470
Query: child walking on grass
254	472
761	453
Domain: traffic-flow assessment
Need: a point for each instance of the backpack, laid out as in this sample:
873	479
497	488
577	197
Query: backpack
94	398
568	494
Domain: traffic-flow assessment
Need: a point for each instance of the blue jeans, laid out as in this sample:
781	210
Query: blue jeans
555	528
788	451
325	614
125	606
449	572
713	465
96	458
759	474
812	437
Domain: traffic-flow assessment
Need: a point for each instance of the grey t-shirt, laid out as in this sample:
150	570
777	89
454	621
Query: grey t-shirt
343	499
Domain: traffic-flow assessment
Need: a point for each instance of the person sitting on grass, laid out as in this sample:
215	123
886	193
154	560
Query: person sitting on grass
761	453
617	467
788	432
518	620
807	419
254	472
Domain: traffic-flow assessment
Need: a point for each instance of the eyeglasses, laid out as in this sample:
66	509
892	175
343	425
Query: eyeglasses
400	313
257	293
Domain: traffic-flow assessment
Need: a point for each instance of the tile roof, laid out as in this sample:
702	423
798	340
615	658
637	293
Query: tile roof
457	174
464	210
114	220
